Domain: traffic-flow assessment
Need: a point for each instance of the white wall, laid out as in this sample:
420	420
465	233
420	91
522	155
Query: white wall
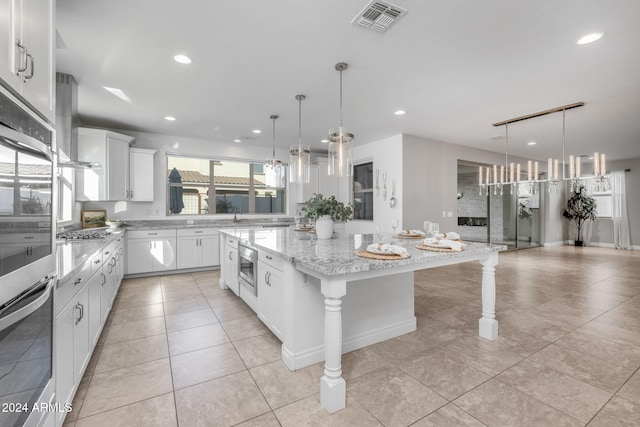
156	210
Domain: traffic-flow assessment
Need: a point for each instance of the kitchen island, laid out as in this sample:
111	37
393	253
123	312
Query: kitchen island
315	279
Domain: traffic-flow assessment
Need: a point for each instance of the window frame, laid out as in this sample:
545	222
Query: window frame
371	190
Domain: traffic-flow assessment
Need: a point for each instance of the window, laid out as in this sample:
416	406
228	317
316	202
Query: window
603	204
363	191
197	186
65	194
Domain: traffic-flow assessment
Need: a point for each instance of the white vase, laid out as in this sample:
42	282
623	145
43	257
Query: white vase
324	227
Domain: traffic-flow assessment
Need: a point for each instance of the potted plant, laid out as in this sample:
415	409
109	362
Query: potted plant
324	212
581	207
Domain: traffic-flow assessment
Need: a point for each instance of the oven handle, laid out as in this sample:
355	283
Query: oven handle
43	287
24	143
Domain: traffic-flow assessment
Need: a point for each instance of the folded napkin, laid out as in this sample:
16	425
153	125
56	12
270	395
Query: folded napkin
387	249
412	232
452	235
445	243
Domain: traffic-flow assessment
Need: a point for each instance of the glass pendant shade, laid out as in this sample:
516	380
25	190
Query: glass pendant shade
300	164
274	172
340	141
300	155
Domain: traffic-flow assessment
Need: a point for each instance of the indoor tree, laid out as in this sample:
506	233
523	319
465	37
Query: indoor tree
581	207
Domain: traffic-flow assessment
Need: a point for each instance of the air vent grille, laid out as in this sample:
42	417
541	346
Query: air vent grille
379	15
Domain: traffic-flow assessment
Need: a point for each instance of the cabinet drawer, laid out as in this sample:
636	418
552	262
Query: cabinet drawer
231	241
68	287
194	232
151	234
270	259
96	263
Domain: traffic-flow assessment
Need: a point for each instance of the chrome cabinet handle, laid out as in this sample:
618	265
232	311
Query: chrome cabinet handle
33	66
131	194
78	281
198	232
104	279
230	257
97	261
268	257
77	307
81	311
152	234
20	69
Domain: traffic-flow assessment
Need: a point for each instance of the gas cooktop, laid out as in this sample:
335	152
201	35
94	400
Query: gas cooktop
82	235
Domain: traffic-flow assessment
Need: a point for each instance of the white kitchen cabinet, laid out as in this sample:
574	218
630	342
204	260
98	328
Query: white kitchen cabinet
64	350
271	293
109	180
81	345
141	175
27	52
230	264
198	247
95	308
150	251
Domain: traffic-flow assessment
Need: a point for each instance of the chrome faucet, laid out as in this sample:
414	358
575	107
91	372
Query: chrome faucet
235	216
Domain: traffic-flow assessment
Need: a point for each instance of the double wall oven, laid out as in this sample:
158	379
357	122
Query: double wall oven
27	263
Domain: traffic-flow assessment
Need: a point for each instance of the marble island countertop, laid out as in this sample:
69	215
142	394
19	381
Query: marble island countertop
337	255
72	255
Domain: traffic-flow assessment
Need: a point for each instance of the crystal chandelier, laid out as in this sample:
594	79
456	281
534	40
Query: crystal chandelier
273	168
340	141
509	174
299	155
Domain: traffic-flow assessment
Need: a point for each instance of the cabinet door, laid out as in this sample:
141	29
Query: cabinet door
9	14
64	351
231	268
141	175
94	310
209	251
188	252
163	254
81	346
139	256
105	289
264	293
38	38
276	320
118	169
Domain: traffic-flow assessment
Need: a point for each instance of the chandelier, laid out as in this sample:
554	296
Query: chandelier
273	168
510	175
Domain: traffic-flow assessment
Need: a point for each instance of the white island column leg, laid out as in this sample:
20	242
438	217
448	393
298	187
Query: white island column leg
488	323
333	388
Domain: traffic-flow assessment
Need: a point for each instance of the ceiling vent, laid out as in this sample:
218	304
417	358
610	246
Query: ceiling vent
379	15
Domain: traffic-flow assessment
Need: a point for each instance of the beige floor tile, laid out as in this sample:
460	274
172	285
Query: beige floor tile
222	300
139	299
135	329
206	275
618	413
244	328
569	395
177	279
602	346
399	348
266	420
599	373
259	350
141	282
190	319
128	313
443	374
393	397
360	362
221	402
490	357
155	412
281	386
496	404
78	400
233	311
448	416
631	390
196	338
309	412
203	365
213	290
185	305
121	387
182	293
95	356
133	352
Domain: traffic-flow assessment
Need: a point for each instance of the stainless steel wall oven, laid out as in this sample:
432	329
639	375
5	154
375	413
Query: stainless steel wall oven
248	268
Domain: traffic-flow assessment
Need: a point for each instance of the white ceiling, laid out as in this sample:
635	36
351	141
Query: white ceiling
455	66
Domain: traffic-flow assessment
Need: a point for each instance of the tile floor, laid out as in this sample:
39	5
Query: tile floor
177	350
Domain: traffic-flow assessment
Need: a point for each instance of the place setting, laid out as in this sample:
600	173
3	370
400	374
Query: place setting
383	251
303	225
440	242
405	234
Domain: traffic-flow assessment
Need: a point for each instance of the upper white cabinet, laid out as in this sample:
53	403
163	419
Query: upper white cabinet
141	175
27	52
108	179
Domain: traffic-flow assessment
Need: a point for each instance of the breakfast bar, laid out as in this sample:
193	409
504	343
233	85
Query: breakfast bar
357	301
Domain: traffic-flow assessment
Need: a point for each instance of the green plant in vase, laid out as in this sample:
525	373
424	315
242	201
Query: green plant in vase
581	207
324	211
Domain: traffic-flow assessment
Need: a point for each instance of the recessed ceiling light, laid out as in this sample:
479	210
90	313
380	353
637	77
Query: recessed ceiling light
118	92
531	143
236	140
256	131
183	59
400	113
170	118
324	141
590	38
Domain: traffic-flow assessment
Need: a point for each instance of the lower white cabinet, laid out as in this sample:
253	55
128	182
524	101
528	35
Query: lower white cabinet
95	308
270	293
198	247
151	250
230	267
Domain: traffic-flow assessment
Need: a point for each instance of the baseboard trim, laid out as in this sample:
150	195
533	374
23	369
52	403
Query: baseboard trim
313	355
555	244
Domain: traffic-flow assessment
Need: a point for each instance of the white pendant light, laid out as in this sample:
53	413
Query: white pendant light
273	168
299	155
340	141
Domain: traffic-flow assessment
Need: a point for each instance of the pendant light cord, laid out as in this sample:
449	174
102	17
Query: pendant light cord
340	98
274	117
299	126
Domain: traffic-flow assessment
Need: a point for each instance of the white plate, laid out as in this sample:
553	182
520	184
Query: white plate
437	245
405	234
381	252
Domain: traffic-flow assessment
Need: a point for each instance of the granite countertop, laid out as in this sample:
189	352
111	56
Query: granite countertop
71	256
218	223
337	256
